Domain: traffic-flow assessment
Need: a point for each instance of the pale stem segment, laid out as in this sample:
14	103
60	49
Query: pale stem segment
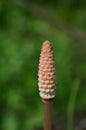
48	116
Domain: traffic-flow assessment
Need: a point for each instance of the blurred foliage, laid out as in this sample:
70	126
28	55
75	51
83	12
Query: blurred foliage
21	37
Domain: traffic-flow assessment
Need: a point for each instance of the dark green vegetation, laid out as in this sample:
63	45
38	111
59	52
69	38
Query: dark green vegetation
22	31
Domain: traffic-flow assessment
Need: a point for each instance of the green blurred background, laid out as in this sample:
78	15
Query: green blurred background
24	26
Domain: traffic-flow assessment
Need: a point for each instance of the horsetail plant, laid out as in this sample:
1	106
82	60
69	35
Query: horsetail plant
47	81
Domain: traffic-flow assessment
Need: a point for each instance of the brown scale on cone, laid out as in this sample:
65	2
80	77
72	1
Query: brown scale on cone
47	72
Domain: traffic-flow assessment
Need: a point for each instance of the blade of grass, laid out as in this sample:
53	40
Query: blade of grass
71	104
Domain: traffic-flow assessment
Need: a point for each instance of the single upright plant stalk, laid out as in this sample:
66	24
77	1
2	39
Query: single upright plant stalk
47	81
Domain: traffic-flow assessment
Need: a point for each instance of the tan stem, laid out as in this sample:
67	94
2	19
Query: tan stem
47	115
